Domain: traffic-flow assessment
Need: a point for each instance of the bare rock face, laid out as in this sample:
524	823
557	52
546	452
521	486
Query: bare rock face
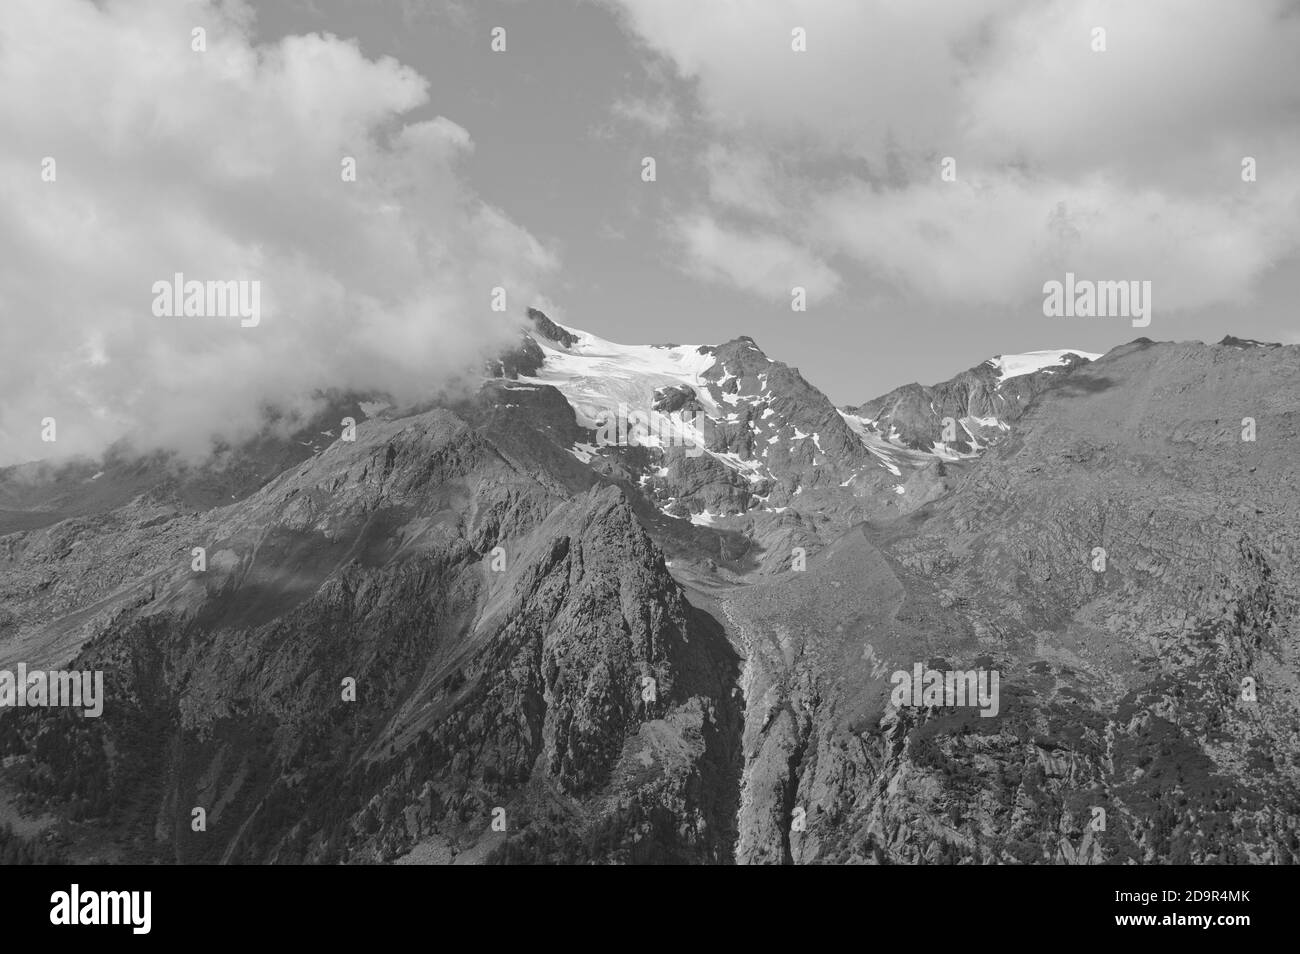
549	329
680	398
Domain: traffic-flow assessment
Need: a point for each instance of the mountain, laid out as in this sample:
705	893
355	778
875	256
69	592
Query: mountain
1124	688
520	627
981	403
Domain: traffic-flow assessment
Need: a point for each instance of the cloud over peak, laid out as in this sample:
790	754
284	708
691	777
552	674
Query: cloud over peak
228	163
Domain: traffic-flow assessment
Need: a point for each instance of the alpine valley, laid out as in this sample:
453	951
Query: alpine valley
480	633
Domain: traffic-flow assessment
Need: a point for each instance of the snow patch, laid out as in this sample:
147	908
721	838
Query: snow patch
1016	365
596	375
584	452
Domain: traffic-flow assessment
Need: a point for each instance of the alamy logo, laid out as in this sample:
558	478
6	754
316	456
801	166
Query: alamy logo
194	299
1082	298
83	690
930	687
640	428
102	907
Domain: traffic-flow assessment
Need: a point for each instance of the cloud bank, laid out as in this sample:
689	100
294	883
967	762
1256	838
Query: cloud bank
1124	163
227	165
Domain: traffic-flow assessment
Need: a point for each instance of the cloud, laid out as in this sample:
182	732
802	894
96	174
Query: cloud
1119	164
748	182
657	114
226	165
994	239
1182	87
760	262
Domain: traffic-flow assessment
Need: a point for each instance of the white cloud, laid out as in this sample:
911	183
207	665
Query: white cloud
747	181
224	165
1182	87
758	262
996	239
1120	164
657	114
841	90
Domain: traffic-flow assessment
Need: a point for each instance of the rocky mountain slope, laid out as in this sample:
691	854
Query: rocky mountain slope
980	404
1123	688
481	632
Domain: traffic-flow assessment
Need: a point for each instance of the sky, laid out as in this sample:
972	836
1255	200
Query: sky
775	167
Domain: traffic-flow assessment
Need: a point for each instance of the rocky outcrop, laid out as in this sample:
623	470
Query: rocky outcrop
977	401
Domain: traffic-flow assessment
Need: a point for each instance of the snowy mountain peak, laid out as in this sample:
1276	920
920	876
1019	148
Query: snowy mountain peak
595	374
729	432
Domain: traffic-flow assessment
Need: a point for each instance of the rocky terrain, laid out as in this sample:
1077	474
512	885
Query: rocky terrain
1122	689
479	633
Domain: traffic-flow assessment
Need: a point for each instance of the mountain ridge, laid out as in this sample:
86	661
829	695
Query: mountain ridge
629	654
